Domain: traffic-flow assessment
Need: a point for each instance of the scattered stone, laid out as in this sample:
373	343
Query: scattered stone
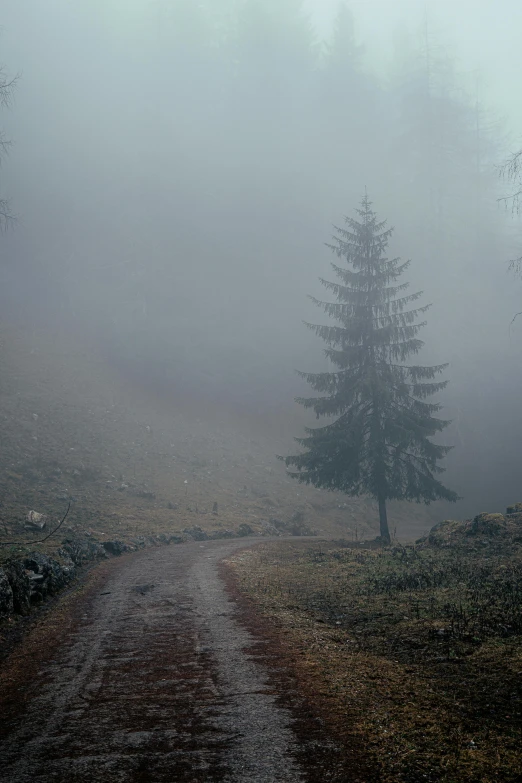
35	521
219	534
81	551
244	530
294	527
115	548
46	575
196	533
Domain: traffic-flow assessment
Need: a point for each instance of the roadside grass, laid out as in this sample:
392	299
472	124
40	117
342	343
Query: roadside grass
412	652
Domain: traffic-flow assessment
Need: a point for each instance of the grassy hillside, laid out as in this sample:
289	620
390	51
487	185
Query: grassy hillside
133	459
412	653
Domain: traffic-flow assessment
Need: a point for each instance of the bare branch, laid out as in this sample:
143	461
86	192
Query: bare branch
7	87
6	216
41	540
512	170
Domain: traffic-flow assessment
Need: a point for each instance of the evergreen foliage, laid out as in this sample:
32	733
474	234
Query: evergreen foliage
378	437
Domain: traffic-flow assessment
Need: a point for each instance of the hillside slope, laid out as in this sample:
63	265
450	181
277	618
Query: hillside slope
138	460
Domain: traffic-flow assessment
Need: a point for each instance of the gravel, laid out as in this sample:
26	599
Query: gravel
155	683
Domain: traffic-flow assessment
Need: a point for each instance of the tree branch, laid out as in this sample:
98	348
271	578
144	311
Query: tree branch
41	540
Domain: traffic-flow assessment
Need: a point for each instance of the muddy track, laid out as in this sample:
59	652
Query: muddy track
156	680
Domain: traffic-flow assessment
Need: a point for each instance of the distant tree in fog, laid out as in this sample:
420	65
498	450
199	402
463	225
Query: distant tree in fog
6	93
348	96
512	171
273	49
378	438
444	147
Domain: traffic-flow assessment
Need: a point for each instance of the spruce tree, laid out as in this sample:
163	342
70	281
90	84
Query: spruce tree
377	441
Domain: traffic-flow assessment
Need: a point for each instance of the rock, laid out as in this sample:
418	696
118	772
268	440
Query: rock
294	527
115	548
35	577
196	533
172	506
486	524
219	534
81	551
514	509
31	580
6	595
271	528
20	586
37	586
35	521
175	539
49	577
244	530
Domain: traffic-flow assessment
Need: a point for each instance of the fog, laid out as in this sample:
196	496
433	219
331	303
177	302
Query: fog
177	168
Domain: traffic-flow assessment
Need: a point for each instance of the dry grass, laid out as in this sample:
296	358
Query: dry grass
139	460
412	653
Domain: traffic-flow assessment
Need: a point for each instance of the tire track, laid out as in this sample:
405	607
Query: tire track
155	684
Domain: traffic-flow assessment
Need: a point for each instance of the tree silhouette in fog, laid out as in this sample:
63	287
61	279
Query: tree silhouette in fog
377	441
7	85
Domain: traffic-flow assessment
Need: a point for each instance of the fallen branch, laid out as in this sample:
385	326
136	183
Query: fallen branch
40	541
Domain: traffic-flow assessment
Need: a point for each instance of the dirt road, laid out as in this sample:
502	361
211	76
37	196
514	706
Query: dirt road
155	682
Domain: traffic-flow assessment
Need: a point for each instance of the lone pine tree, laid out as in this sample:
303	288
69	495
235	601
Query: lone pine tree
378	438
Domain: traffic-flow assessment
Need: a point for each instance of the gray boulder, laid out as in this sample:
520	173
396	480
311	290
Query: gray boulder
49	577
196	533
244	530
81	551
35	521
115	548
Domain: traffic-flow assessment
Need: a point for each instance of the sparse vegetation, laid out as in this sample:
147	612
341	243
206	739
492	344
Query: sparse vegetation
413	650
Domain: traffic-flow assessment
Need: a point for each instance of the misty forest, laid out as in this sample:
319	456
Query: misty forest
261	277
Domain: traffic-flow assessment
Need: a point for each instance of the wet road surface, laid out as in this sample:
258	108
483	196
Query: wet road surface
155	683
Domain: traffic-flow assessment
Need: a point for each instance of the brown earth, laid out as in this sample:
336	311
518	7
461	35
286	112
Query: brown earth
412	653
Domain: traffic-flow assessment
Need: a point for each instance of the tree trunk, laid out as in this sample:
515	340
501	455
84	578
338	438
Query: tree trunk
383	520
